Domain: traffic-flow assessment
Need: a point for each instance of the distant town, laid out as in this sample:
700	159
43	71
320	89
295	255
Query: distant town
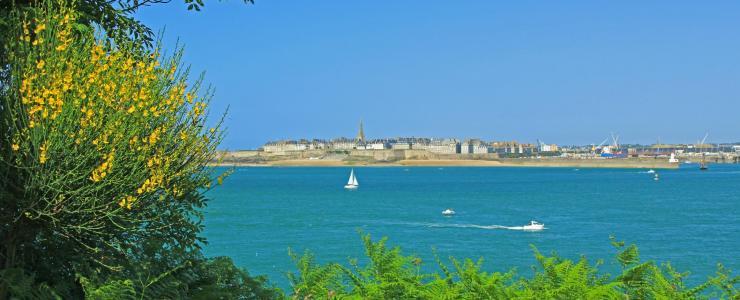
609	148
359	150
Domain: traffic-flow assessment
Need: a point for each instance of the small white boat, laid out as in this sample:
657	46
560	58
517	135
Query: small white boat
534	226
651	171
352	183
656	177
448	212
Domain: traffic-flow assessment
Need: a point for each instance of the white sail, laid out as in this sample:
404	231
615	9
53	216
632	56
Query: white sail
352	180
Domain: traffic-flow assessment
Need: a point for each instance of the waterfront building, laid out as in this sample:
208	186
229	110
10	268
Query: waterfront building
344	144
501	147
401	146
473	146
481	148
548	147
419	145
466	147
284	146
270	147
318	145
444	146
376	145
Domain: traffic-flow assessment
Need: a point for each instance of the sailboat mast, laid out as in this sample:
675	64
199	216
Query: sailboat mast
352	179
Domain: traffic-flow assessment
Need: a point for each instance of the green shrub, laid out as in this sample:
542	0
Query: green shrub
389	274
103	159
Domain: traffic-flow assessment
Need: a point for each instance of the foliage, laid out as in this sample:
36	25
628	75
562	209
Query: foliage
314	280
215	278
23	285
389	274
220	279
115	17
103	155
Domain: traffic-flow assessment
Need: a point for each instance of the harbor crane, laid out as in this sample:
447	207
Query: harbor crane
700	146
594	148
615	140
702	140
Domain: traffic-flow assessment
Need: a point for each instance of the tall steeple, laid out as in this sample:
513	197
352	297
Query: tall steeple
361	134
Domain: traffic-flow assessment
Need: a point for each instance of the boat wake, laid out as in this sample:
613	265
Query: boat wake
486	227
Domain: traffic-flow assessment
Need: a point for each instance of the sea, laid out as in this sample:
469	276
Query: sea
688	217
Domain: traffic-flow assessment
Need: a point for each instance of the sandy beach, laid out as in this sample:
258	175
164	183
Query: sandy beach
573	163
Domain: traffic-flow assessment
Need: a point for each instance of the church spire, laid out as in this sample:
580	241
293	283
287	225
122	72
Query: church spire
361	134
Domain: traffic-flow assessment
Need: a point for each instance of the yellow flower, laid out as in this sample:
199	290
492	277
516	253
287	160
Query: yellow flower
100	172
40	27
40	64
15	147
127	202
42	155
154	136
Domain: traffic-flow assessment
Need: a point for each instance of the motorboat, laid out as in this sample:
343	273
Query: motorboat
533	226
352	183
651	171
656	177
448	212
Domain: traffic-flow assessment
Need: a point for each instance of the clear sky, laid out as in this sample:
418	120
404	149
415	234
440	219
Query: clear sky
567	72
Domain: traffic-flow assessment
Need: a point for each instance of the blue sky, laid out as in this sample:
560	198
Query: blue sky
567	72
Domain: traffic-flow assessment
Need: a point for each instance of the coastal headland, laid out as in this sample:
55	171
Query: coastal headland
320	158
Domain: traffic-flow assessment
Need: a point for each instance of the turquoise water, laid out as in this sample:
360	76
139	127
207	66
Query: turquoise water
688	217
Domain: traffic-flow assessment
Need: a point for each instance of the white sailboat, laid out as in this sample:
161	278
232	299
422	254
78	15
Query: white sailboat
352	182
